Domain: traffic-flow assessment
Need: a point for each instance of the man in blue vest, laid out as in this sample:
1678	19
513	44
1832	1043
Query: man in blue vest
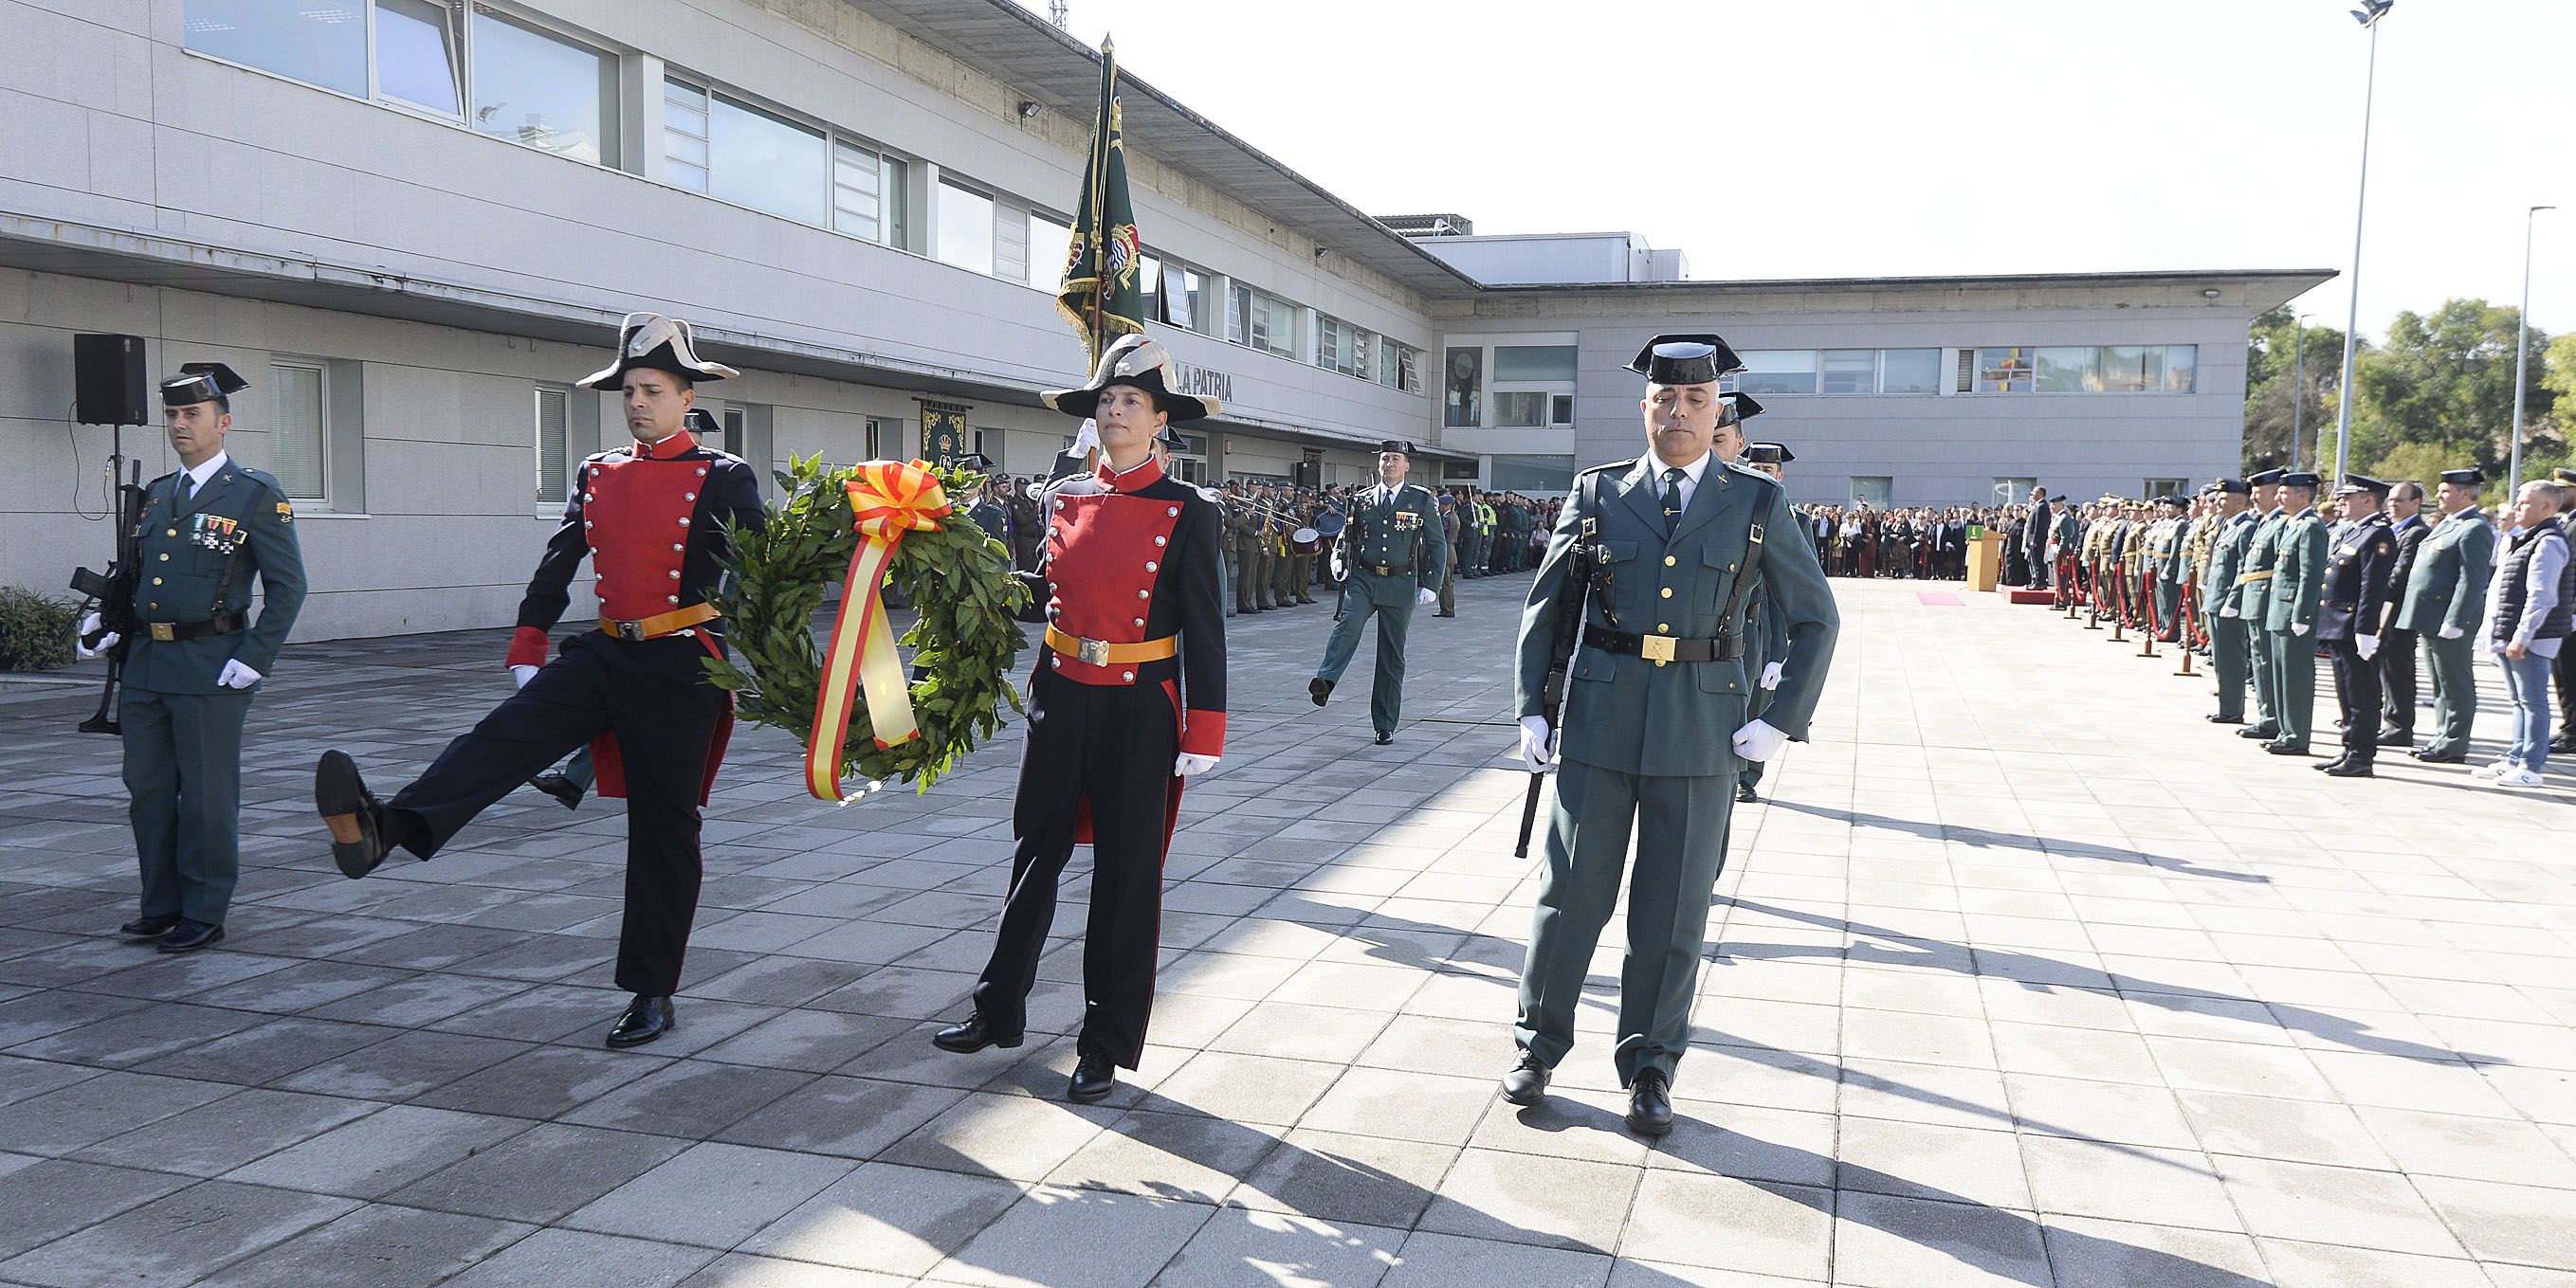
1653	692
1394	551
197	657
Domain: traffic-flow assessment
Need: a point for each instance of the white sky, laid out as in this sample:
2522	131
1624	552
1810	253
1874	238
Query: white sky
1853	138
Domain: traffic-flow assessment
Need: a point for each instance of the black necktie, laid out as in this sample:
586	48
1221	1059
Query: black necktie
1672	497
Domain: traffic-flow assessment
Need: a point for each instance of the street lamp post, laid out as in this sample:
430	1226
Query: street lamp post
2299	387
2368	15
2521	351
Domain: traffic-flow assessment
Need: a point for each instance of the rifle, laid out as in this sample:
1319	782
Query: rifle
1569	635
111	594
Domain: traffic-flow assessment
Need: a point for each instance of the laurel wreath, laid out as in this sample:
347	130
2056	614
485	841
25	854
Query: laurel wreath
957	576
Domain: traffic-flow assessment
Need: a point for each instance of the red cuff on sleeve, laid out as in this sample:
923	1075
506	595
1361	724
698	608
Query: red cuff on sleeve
528	647
1203	733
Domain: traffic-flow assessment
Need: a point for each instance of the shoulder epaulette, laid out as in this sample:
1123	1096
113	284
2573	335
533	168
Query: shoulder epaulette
1608	465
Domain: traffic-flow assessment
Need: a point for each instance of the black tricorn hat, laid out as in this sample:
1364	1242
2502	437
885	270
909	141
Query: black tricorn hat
1685	360
2471	475
1138	363
653	341
201	382
976	461
1768	454
1397	446
1737	408
702	423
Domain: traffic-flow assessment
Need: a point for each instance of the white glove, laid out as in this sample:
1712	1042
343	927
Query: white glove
1189	764
1426	596
1538	744
237	676
2298	628
105	642
2366	645
2229	611
2448	633
1338	571
1771	676
521	674
1759	741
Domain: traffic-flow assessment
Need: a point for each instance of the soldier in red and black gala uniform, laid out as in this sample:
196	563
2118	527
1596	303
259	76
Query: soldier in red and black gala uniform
1127	700
651	517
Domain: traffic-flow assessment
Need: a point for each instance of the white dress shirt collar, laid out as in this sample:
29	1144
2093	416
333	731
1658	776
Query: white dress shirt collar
198	477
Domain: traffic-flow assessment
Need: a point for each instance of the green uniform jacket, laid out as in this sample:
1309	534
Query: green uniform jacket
239	515
2227	558
1627	714
2299	587
2449	584
1400	533
2254	598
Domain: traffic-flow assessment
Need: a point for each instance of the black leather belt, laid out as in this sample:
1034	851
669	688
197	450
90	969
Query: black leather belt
173	632
1660	649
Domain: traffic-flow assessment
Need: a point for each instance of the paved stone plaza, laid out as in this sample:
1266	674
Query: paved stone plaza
2026	975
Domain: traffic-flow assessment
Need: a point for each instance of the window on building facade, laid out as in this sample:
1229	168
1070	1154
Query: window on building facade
1531	474
536	88
1259	320
1149	284
1873	490
2182	368
684	135
1399	366
1010	243
1526	362
1181	299
420	53
1847	371
1776	371
885	438
1050	245
858	191
965	219
320	43
773	165
1334	350
2163	487
2013	491
553	407
1909	371
1523	410
1462	388
299	430
2004	370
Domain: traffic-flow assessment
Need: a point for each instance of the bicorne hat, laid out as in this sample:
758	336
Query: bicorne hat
1138	363
653	341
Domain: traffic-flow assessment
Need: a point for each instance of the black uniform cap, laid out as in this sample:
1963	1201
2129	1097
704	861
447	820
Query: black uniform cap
2465	477
1685	360
2300	478
2266	478
199	382
2355	483
2231	485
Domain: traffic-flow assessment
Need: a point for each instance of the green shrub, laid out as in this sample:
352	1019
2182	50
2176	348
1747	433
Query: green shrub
35	631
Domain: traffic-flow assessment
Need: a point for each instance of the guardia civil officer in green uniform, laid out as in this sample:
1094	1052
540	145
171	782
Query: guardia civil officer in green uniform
2445	599
1394	551
1767	637
2290	618
1654	692
206	533
2229	650
2254	599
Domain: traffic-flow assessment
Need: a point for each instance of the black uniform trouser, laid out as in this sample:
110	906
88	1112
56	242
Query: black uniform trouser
654	696
2357	692
2563	670
2397	680
1111	747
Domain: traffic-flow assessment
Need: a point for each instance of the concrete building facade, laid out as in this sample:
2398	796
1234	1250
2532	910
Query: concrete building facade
412	223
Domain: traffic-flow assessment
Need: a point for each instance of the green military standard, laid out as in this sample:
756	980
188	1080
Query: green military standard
2254	598
1395	551
1658	682
195	657
2230	650
2445	599
2290	616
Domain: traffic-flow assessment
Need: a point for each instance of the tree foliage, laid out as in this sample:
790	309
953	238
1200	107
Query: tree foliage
2435	393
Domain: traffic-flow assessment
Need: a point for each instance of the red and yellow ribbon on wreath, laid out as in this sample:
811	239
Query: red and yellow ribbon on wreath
887	500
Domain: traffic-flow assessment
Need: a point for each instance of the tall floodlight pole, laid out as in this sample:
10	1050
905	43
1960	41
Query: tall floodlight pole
2299	386
2521	352
2368	15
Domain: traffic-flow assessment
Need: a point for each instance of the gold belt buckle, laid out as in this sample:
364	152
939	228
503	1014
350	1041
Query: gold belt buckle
1092	652
631	631
165	632
1658	649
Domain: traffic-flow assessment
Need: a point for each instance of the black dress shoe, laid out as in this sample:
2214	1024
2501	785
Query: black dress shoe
1094	1077
2350	767
2279	748
1384	737
566	792
1745	795
646	1018
2329	764
2217	719
2396	737
1444	614
972	1036
2460	758
2266	733
1319	689
351	812
187	936
1526	1084
149	927
1650	1104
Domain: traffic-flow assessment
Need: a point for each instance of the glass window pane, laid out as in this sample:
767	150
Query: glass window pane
892	175
1909	371
416	52
1520	411
1777	371
2069	370
551	404
2003	371
1149	284
685	150
1176	297
1850	371
1238	305
2132	368
774	165
693	178
965	228
1050	245
1532	474
1010	243
549	94
1534	362
1873	491
321	42
1563	411
1462	397
295	431
2182	368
